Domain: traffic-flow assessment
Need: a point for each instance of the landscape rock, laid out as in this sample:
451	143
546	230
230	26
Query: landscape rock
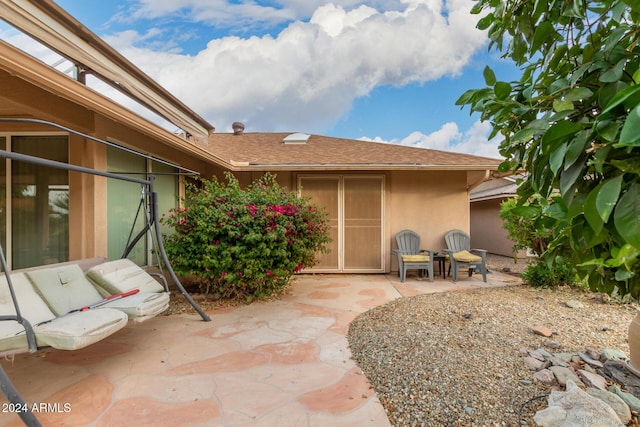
610	353
614	401
584	370
556	361
533	364
592	353
618	373
563	375
439	363
536	355
593	380
545	353
576	408
574	304
590	361
628	398
552	344
542	331
565	357
545	376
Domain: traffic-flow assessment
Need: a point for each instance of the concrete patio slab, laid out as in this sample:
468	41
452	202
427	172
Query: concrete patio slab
276	363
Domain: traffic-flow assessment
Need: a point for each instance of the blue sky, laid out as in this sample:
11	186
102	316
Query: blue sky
383	70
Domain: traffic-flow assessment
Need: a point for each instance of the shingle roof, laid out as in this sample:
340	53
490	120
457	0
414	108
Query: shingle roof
266	151
500	188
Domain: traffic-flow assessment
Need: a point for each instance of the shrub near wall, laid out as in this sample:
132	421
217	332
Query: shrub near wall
244	242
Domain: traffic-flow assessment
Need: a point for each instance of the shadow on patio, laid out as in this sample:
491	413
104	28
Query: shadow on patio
275	363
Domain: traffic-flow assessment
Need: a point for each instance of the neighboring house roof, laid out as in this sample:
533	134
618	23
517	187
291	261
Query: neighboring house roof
268	151
500	188
54	27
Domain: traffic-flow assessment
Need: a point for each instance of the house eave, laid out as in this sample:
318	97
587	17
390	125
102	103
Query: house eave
37	73
54	27
246	167
500	196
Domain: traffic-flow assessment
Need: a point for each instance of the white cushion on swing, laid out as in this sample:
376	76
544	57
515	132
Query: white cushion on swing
70	332
12	336
140	307
123	275
64	288
80	329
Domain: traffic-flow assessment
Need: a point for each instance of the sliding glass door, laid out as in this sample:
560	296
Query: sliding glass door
125	219
39	203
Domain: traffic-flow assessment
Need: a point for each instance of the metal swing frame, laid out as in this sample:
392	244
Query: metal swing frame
151	225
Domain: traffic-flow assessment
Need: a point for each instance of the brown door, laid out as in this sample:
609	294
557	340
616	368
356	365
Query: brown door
354	204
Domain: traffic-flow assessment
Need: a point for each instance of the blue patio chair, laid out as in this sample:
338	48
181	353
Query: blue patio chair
460	254
410	256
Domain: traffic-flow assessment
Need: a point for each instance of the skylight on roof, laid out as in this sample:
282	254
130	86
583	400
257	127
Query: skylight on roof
296	138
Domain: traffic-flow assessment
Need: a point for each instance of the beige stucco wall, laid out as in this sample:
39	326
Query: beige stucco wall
88	210
487	231
429	203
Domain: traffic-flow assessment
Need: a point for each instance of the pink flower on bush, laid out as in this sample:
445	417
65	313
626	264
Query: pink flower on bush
265	227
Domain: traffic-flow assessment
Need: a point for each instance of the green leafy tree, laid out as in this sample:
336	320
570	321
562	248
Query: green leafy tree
244	242
525	233
572	121
533	234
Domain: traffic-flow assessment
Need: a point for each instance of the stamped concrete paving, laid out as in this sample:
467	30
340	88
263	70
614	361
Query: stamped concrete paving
279	363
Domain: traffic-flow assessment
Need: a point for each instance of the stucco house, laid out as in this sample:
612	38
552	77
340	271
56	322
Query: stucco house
371	190
487	231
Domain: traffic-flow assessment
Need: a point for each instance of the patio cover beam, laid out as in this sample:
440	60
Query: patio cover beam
54	27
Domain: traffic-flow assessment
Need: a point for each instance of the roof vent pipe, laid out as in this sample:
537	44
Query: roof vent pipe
238	128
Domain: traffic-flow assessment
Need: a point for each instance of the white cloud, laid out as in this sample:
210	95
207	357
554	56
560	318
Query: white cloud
239	15
307	77
450	138
27	44
218	13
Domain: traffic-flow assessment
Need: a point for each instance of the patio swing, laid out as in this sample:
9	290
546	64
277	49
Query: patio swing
40	321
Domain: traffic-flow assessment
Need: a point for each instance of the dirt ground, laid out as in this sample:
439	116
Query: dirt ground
506	264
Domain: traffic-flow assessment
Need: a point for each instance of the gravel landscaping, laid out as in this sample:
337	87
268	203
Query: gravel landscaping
458	358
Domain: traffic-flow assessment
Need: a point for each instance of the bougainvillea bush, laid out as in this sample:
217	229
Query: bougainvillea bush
244	242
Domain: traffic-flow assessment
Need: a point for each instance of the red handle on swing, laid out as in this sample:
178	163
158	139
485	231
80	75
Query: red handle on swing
107	300
122	295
